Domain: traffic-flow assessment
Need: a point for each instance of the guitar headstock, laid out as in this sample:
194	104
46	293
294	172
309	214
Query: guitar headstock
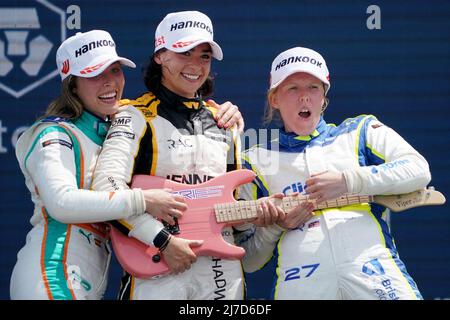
401	202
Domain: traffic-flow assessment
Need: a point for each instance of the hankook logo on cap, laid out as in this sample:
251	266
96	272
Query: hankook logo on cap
297	59
92	45
191	24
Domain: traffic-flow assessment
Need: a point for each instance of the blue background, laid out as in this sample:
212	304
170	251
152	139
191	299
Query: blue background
399	73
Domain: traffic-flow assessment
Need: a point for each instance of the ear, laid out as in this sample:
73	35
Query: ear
158	58
273	100
324	104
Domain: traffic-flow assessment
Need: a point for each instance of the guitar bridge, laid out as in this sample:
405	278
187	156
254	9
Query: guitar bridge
172	229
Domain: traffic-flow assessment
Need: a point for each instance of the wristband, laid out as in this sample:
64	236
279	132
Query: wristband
165	244
161	239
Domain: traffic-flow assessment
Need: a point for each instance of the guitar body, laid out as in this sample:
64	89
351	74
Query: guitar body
198	222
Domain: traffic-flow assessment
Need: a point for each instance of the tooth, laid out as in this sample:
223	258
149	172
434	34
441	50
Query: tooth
191	76
108	95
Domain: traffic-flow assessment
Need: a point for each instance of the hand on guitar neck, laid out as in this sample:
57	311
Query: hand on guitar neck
271	210
211	207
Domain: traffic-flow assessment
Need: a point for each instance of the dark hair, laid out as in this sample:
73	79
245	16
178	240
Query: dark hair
153	76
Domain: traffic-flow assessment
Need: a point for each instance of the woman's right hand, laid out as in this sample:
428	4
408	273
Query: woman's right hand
164	205
179	255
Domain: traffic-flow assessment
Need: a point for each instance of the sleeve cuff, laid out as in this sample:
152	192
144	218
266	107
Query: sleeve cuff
146	230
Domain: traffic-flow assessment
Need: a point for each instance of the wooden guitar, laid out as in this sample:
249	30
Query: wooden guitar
211	207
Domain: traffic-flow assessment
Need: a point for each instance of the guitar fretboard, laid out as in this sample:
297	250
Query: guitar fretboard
247	210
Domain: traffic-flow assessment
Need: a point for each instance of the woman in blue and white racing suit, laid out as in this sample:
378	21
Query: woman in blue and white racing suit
339	253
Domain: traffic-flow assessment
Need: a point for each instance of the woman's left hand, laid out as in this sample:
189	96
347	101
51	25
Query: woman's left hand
327	185
268	212
228	115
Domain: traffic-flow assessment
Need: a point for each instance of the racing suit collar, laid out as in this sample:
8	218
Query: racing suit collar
291	141
94	127
181	103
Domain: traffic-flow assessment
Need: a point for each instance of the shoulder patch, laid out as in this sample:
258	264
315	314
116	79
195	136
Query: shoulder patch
150	111
121	121
142	101
376	125
124	134
57	141
147	104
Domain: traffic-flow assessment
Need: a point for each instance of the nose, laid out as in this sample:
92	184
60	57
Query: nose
112	79
108	78
303	95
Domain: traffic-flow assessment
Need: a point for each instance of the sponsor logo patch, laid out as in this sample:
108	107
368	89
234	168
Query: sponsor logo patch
373	267
66	67
181	44
389	166
121	121
58	141
121	134
93	68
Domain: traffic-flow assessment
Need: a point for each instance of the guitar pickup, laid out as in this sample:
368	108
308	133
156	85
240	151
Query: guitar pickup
172	229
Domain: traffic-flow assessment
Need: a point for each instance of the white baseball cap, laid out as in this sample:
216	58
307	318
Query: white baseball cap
88	54
182	31
299	59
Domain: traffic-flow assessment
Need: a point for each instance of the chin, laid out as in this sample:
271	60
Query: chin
303	132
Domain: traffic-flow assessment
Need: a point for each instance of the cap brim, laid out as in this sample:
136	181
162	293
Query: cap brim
99	65
191	43
296	70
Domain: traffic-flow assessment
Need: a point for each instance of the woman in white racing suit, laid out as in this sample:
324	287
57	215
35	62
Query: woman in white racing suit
170	132
339	253
67	254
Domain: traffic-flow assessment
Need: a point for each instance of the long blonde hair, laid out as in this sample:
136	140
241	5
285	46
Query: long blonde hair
67	104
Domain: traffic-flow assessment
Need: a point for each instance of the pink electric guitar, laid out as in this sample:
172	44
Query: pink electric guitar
211	207
204	220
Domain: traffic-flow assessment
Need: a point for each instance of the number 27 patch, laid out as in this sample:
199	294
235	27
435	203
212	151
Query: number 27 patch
294	273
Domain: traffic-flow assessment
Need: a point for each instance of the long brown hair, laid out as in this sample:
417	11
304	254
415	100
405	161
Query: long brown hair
67	104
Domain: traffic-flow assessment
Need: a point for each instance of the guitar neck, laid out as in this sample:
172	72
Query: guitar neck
241	211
